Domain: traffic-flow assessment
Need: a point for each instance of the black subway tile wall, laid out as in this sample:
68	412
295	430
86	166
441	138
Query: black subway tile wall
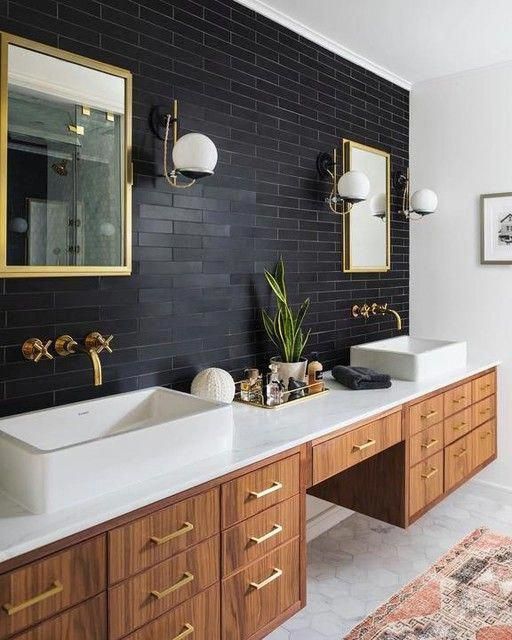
270	100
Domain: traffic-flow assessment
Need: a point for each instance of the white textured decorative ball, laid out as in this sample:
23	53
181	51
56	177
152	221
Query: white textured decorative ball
214	384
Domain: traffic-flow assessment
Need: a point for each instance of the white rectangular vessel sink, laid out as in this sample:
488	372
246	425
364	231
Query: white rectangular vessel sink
407	358
59	457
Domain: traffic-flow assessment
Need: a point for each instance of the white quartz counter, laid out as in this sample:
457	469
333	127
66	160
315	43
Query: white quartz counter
258	434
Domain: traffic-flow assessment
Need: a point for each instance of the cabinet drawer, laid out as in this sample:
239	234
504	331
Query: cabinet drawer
255	491
484	410
484	386
484	443
458	425
458	461
161	535
425	443
344	451
42	589
426	413
196	619
457	399
253	538
255	596
142	598
87	621
426	483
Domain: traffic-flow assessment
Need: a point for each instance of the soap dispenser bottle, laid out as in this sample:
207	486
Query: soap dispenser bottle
315	374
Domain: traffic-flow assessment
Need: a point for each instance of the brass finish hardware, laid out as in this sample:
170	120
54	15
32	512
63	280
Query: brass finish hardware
94	344
276	573
486	435
34	350
459	400
276	486
484	411
366	445
485	387
460	426
76	128
461	453
276	529
86	111
110	116
65	345
187	577
429	445
187	526
376	310
430	474
98	342
187	630
55	589
429	415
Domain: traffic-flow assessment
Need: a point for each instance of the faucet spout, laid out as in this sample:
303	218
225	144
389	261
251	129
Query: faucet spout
383	309
96	367
398	318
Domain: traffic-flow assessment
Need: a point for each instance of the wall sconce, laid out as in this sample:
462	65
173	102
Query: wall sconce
422	202
194	155
348	189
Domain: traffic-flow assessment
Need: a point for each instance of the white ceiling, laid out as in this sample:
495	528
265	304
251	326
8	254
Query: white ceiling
407	41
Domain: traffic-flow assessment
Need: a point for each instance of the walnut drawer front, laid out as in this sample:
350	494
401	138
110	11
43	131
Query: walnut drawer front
42	589
253	538
426	413
143	597
346	450
196	619
484	386
458	425
154	538
458	461
426	443
87	621
255	596
457	399
426	483
255	491
484	443
484	410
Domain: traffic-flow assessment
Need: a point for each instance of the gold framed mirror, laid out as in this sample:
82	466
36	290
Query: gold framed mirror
65	149
367	227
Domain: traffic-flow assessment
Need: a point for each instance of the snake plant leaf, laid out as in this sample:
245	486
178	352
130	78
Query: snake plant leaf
275	286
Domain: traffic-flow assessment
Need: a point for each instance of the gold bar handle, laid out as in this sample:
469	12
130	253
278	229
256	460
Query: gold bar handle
486	435
459	400
430	414
76	128
276	573
484	411
187	526
187	577
188	630
276	529
461	453
55	589
485	387
366	445
429	445
275	486
430	474
460	426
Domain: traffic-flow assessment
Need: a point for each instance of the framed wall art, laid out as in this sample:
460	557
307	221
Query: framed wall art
496	212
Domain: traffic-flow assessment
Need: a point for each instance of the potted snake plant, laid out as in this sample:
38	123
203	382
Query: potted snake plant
285	330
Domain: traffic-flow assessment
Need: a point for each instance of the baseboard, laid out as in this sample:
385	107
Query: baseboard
325	520
494	485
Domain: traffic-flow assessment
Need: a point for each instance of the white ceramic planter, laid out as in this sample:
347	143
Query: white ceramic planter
287	370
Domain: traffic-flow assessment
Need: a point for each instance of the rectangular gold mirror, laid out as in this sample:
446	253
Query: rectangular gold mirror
65	146
367	228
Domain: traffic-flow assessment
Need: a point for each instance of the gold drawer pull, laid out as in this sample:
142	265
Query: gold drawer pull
484	411
461	399
276	573
486	435
366	445
187	577
429	445
430	414
485	387
461	453
276	529
430	474
261	494
76	128
56	588
187	526
188	630
460	426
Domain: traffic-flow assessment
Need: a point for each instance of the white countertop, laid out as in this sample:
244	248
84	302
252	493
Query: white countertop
258	434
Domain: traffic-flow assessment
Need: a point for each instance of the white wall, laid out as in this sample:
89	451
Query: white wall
461	146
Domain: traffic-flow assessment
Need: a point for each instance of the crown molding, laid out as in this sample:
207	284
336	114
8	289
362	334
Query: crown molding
325	42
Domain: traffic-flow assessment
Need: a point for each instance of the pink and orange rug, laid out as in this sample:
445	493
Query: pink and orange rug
466	595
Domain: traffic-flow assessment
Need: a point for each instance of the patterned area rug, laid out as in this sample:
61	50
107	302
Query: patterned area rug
466	595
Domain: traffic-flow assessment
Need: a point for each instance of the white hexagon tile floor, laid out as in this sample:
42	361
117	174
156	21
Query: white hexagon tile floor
360	563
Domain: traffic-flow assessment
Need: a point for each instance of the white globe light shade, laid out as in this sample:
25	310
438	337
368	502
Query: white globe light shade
424	201
379	204
194	155
354	186
18	225
107	229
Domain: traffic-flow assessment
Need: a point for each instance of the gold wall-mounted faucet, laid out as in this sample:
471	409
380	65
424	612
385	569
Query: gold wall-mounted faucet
35	350
93	345
376	309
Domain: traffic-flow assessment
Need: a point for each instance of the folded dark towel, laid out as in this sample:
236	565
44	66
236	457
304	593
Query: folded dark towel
359	378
